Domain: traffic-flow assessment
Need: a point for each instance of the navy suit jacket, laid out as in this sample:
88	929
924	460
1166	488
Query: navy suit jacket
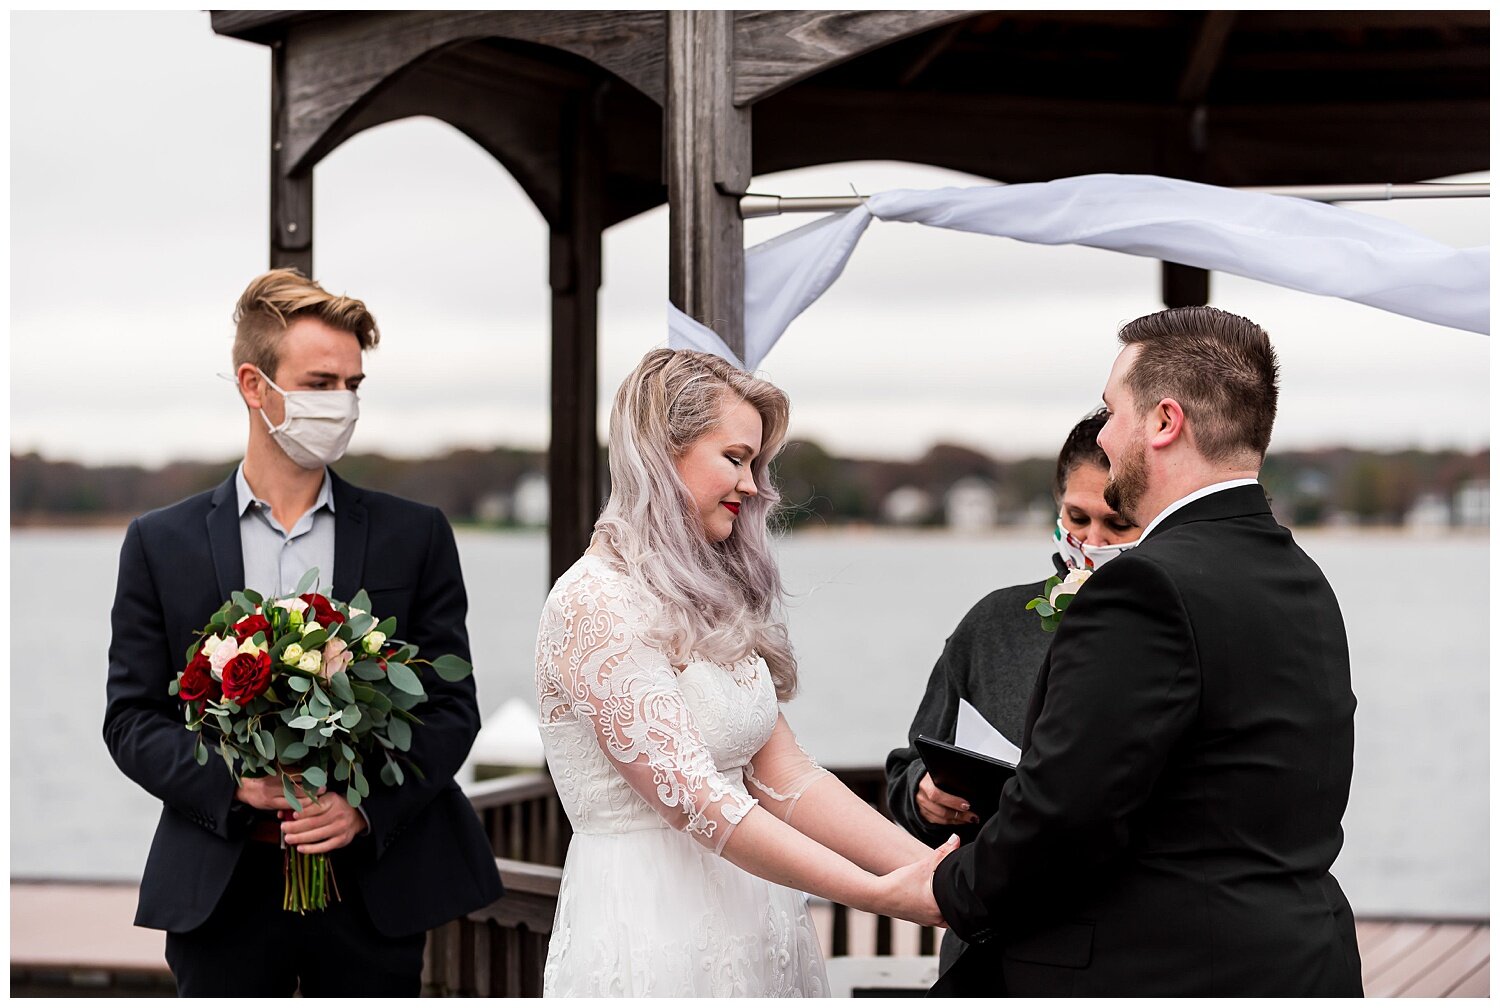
1187	757
425	859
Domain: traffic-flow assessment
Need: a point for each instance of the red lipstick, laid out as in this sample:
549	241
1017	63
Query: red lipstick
733	507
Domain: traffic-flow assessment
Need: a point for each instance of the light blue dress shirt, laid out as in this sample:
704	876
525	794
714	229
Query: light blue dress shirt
275	559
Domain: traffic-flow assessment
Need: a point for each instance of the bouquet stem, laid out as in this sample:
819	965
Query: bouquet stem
308	881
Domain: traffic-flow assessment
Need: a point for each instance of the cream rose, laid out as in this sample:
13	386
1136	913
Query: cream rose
292	654
374	641
310	661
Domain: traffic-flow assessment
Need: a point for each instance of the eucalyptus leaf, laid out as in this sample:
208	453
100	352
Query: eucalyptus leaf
318	694
305	721
351	716
172	688
403	678
293	751
368	670
342	688
261	739
242	600
200	752
348	752
341	771
387	626
254	596
406	701
299	683
361	600
289	793
400	734
405	655
360	625
1063	601
315	639
306	583
316	776
1046	609
327	731
360	784
451	668
353	798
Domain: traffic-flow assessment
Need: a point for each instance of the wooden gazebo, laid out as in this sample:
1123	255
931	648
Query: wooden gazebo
600	115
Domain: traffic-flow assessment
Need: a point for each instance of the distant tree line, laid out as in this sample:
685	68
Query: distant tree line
818	488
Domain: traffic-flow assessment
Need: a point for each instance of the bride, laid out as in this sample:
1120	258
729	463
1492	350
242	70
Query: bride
661	661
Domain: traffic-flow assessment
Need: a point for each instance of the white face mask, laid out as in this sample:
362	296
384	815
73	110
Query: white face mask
1081	556
317	426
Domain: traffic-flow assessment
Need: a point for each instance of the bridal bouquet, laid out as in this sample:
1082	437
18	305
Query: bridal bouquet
309	689
1057	594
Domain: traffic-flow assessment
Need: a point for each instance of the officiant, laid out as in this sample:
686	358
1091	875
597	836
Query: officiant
992	657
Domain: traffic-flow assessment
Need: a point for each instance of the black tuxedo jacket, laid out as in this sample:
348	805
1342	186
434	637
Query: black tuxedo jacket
1186	763
425	859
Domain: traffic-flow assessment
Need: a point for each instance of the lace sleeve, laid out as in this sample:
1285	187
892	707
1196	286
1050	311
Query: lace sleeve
626	690
781	771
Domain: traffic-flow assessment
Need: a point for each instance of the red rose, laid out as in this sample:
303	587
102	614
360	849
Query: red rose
196	682
246	676
321	611
249	626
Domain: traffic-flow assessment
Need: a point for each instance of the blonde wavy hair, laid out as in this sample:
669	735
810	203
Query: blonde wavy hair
276	299
719	600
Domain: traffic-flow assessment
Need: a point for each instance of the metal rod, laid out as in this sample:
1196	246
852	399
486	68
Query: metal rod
761	205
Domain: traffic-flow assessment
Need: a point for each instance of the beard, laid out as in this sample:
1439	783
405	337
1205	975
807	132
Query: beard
1127	482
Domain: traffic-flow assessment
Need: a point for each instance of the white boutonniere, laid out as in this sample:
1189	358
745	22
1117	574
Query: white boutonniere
1057	594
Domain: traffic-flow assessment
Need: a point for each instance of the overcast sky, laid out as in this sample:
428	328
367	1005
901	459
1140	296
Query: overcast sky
138	214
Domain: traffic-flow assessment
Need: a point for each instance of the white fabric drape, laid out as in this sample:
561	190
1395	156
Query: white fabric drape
1281	240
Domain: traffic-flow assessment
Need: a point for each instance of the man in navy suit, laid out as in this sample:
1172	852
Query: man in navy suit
410	857
1189	746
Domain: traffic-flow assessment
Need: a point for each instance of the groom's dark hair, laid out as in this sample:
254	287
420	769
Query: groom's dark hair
1220	367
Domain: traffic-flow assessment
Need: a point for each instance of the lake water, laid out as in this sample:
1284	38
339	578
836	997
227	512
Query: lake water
871	614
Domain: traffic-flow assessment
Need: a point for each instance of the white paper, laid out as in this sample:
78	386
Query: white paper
976	734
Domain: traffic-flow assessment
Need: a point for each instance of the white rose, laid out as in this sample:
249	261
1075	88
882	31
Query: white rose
310	661
293	604
250	647
357	611
292	653
1070	584
374	641
308	628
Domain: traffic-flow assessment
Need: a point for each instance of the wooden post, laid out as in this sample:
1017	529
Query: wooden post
576	256
291	195
1183	285
708	169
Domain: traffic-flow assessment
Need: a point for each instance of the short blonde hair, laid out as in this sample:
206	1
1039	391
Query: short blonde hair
274	300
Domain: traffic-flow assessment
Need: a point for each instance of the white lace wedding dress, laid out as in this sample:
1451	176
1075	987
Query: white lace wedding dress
655	768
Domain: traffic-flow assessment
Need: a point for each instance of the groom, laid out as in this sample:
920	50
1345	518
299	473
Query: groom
1190	741
409	858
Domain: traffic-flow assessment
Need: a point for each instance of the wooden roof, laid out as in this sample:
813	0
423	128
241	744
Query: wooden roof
1232	98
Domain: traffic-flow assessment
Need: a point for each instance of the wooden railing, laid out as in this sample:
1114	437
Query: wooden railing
500	950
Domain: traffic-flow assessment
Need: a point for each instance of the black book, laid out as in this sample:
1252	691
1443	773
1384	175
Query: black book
968	774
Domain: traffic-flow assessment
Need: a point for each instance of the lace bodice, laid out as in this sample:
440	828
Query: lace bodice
632	742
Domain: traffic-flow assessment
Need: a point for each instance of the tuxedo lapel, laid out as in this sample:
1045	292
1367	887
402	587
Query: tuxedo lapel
351	530
223	522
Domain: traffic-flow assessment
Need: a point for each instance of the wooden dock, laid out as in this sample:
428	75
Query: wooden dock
77	938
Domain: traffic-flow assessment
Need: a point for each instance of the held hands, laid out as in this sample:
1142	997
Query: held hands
941	808
907	891
326	822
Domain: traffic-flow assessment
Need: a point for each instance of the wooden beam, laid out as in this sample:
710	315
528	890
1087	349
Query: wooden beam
291	192
1203	58
708	168
576	258
1052	138
776	49
338	62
